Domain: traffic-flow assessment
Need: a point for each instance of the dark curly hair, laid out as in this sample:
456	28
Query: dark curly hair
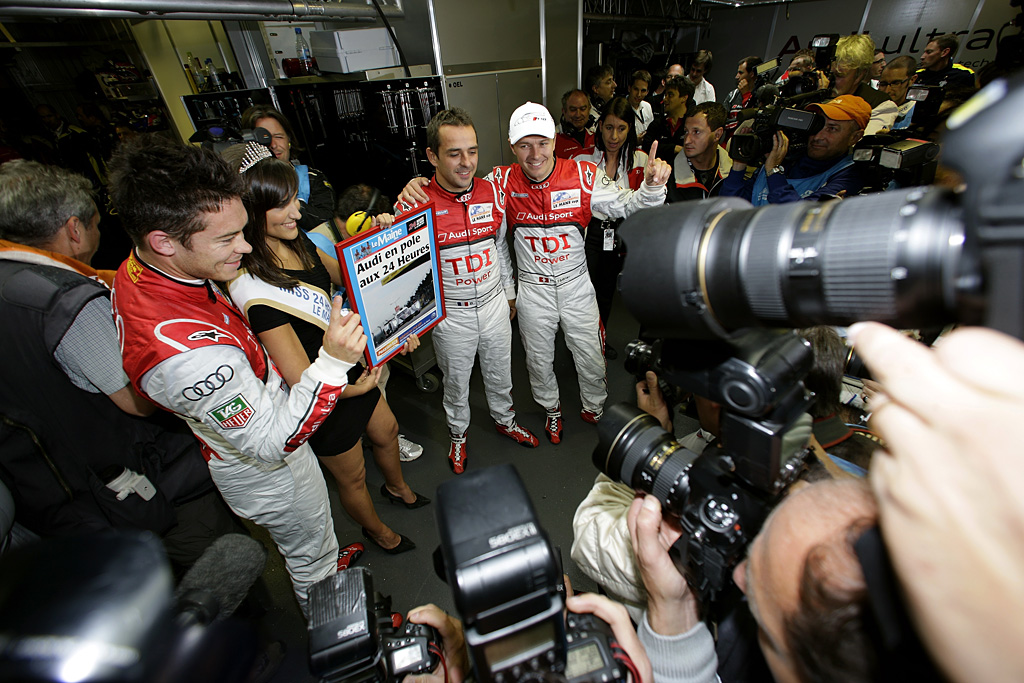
160	184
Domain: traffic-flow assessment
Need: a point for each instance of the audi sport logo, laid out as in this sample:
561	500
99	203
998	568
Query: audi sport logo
206	387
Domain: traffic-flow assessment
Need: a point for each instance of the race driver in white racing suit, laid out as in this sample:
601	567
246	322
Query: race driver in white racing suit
548	206
479	289
188	349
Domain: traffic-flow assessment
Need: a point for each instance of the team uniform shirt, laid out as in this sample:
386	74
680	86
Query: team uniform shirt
477	279
188	349
567	146
548	221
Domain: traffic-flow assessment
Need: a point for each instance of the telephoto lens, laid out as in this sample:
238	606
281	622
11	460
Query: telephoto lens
633	448
702	270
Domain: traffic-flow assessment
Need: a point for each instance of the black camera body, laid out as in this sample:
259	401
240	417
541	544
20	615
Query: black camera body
798	125
721	496
896	159
506	581
352	635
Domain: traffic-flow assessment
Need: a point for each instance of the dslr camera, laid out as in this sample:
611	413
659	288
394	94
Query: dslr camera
704	278
506	581
353	635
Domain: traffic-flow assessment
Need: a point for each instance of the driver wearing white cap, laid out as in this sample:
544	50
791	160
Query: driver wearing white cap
549	201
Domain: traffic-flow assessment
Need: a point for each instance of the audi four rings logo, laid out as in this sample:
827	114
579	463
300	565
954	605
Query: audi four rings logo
206	387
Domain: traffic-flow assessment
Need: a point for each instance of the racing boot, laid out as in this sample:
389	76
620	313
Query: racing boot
519	434
591	416
457	454
553	425
348	555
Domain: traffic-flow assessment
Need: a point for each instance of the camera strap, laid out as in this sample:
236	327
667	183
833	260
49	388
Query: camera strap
834	470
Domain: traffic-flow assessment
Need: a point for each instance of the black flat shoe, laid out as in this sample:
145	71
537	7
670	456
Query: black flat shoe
404	546
395	500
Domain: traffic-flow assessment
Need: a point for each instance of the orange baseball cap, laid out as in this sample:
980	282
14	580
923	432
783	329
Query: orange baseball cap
846	108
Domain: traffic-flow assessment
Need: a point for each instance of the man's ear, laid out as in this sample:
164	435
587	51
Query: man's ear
718	133
159	242
432	158
73	228
858	134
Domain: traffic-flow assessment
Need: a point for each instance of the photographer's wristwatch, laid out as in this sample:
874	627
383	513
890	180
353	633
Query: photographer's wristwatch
773	170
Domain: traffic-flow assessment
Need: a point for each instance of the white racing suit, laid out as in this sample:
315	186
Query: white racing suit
476	273
189	350
548	220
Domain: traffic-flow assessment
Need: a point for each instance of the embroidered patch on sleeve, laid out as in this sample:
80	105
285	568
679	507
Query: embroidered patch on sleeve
234	414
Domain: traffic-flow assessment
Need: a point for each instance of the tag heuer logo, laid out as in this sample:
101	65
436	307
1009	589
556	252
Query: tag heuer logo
234	414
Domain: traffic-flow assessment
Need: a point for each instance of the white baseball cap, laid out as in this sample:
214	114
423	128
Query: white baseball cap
530	119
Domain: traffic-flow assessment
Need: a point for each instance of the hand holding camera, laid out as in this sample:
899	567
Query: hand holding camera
671	606
455	663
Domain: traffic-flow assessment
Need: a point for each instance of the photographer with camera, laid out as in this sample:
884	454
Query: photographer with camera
950	503
825	171
457	663
851	75
804	587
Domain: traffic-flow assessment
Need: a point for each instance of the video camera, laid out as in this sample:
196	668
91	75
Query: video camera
798	124
353	635
700	275
506	580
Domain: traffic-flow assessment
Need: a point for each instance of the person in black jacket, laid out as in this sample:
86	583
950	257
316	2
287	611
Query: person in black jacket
668	130
75	449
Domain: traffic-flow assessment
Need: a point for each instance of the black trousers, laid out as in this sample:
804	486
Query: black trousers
604	266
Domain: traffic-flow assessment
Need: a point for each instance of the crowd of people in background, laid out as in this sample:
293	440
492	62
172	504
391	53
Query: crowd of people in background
228	314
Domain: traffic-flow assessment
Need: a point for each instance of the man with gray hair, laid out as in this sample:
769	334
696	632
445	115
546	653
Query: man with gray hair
65	394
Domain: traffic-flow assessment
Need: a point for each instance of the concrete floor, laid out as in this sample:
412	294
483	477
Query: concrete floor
557	478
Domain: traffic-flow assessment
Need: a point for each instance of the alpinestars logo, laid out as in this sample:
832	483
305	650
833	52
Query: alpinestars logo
589	175
212	335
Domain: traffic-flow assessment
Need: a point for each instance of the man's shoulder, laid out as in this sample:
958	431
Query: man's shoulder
38	284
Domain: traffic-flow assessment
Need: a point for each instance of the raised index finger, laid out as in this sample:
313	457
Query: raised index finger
653	154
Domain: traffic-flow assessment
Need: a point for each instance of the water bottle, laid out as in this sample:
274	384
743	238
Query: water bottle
304	54
197	72
212	77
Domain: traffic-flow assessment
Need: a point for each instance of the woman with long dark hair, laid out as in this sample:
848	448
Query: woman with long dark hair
284	291
617	154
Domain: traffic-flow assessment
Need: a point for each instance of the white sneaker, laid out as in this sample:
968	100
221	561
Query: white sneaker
407	450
